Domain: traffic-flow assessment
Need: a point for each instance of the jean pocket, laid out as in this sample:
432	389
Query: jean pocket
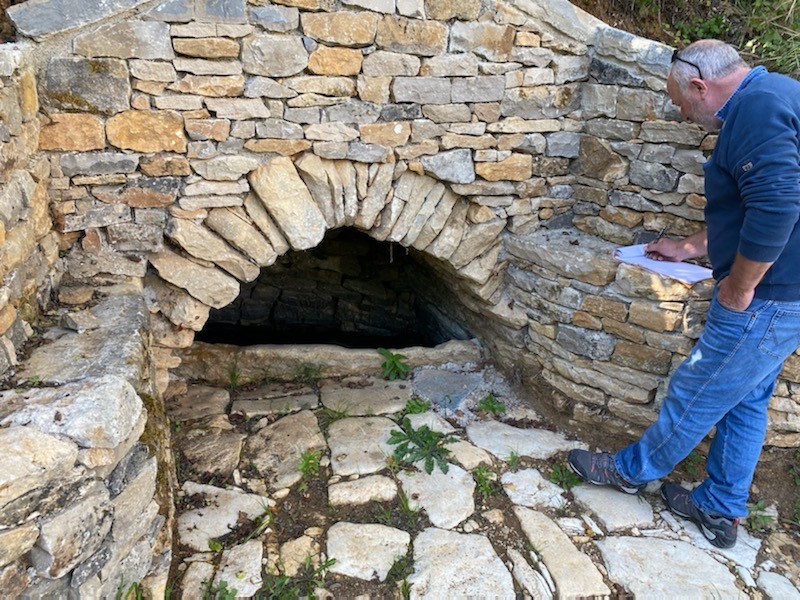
783	334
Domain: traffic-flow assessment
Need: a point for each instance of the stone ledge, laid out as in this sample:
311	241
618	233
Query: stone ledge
40	19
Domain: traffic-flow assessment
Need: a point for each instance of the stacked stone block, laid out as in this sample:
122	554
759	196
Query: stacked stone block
28	247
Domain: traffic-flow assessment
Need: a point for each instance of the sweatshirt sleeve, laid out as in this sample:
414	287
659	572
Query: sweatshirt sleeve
767	171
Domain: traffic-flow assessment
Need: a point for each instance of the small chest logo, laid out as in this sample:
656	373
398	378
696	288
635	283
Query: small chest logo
747	166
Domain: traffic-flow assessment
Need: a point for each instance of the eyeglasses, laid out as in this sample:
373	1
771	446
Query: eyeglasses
683	60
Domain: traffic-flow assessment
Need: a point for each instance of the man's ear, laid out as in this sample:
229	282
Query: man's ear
699	86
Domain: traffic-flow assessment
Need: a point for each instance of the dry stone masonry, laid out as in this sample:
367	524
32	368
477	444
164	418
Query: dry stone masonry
157	155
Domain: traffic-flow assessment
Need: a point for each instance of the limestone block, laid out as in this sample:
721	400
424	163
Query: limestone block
257	87
326	60
147	131
540	102
478	89
411	8
201	243
589	260
643	284
672	132
454	166
282	147
598	160
143	192
256	211
386	134
99	85
654	176
235	227
16	197
411	36
73	535
224	168
31	459
450	236
341	28
390	64
74	132
322	86
211	47
273	55
42	19
515	168
365	550
422	90
439	556
381	6
289	202
209	285
238	109
476	240
275	18
487	40
201	66
161	166
95	413
275	450
127	39
176	305
450	65
207	85
573	572
16	542
444	10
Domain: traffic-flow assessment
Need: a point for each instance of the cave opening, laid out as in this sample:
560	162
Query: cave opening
351	291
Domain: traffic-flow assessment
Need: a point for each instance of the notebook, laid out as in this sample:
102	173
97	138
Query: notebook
684	272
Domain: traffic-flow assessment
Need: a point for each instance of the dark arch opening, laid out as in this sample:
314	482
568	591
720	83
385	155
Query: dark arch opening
350	290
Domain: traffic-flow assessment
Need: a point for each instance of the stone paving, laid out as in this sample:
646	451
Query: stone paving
250	518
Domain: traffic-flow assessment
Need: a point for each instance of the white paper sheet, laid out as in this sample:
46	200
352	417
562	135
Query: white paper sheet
683	272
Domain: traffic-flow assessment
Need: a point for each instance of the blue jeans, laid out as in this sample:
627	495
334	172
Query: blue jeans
726	381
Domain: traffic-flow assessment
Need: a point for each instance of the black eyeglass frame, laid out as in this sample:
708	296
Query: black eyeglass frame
675	56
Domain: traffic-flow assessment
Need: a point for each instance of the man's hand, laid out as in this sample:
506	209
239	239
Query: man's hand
693	246
733	297
666	249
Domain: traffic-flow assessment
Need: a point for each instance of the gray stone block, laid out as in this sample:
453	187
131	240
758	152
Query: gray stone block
128	39
98	163
98	85
478	89
455	166
353	111
584	342
275	18
422	90
15	197
220	11
653	175
563	143
42	18
173	11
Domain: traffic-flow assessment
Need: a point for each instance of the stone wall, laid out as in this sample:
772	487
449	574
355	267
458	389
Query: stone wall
193	140
28	246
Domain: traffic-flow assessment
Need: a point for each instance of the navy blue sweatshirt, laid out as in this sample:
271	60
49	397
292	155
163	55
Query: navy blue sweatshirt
752	183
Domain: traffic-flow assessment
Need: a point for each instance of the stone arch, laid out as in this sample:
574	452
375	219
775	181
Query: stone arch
294	203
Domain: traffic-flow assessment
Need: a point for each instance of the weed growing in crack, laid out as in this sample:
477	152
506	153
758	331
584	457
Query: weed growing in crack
562	476
411	515
421	444
326	416
283	587
398	574
309	465
218	591
234	375
308	373
133	592
416	406
492	405
485	481
514	460
757	518
394	365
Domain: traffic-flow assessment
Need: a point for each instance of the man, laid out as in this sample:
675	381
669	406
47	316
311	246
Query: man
752	184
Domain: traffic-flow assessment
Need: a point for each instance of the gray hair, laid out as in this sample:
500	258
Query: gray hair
712	58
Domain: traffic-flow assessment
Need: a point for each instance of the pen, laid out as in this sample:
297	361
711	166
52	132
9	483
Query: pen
653	255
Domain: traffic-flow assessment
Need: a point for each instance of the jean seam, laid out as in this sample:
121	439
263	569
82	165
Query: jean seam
691	403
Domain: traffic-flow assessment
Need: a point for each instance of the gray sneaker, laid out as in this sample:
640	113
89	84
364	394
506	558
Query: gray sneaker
720	531
598	468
